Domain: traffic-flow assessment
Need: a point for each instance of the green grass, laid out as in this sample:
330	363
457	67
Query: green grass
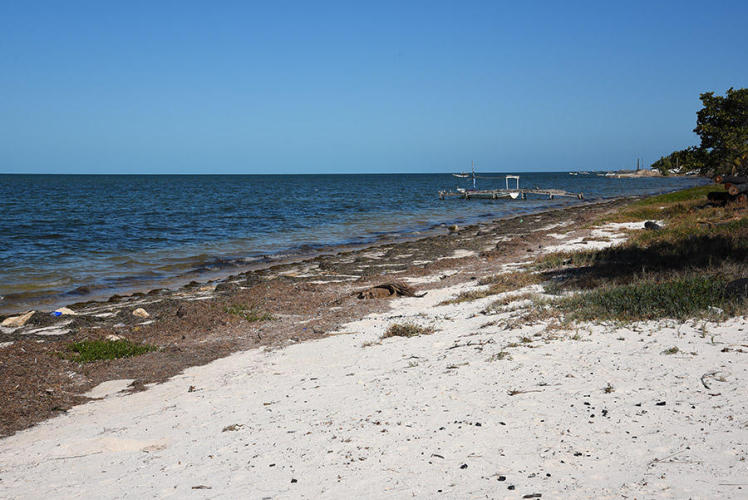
249	314
406	330
87	351
701	225
649	212
664	206
680	298
679	271
710	240
696	193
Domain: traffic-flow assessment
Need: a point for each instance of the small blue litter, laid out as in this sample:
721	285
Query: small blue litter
57	313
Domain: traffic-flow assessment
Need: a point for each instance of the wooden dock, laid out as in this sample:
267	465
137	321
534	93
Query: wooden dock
514	194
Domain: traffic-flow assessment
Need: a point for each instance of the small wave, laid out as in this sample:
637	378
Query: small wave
50	236
25	297
79	291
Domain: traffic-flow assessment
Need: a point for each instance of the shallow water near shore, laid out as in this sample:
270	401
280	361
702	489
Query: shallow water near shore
70	237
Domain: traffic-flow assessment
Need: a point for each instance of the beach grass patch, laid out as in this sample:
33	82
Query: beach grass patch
406	330
680	298
87	351
697	193
542	311
553	288
664	206
249	314
679	271
710	240
506	282
648	212
713	231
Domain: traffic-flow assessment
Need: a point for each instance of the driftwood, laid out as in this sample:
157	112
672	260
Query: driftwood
394	289
736	189
730	179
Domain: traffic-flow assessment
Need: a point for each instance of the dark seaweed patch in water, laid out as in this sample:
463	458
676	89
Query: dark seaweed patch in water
307	248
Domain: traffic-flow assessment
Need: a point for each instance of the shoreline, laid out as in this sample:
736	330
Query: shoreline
52	284
192	325
316	403
282	257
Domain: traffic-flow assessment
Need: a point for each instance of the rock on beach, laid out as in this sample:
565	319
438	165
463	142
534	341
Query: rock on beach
141	313
16	321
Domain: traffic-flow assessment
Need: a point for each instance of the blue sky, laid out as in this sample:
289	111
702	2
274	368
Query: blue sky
326	87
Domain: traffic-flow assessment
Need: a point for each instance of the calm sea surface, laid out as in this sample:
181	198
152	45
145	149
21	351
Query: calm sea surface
64	238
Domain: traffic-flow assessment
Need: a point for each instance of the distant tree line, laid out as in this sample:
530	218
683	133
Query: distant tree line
722	125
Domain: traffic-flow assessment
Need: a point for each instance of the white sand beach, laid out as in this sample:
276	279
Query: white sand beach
373	250
429	416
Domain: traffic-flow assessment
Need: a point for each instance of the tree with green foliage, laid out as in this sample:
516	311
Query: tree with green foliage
686	160
722	125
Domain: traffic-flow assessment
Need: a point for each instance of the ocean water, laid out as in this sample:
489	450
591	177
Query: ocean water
65	238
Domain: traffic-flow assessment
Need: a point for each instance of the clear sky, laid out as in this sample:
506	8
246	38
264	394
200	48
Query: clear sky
325	87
